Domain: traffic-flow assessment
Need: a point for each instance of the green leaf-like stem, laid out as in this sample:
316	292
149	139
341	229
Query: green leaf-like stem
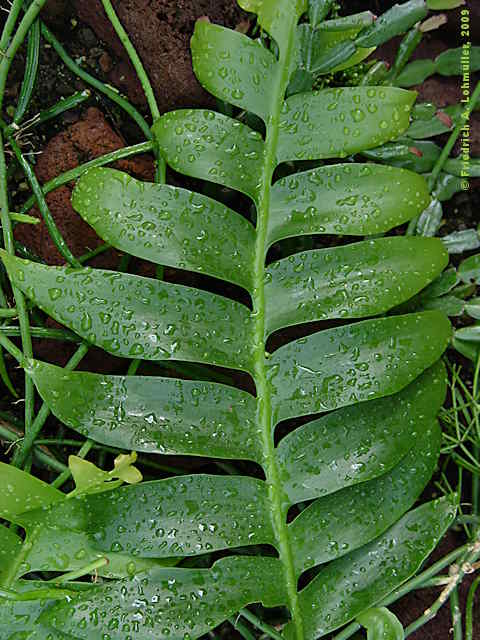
361	464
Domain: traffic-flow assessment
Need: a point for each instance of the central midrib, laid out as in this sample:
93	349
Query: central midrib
264	406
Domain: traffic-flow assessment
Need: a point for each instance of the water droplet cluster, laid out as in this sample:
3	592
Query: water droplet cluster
362	464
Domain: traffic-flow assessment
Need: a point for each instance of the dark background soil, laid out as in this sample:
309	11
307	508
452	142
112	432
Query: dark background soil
160	31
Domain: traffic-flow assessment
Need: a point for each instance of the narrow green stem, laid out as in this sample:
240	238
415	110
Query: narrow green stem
7	58
83	571
93	253
64	104
464	566
23	451
133	367
438	581
8	313
407	46
75	173
453	138
375	75
260	624
476	446
11	348
12	18
47	114
348	632
41	332
18	295
161	167
469	609
6	61
14	568
412	226
242	628
5	377
43	207
133	55
31	69
278	501
63	477
46	459
429	573
103	88
456	615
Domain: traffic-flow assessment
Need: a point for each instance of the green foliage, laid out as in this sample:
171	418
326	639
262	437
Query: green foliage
448	63
381	624
361	465
434	122
393	22
316	44
469	269
464	240
467	340
341	43
89	478
439	5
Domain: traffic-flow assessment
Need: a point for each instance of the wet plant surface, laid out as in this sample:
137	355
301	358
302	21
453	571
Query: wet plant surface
188	354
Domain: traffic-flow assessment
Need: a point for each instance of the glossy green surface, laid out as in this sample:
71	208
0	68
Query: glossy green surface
278	17
343	521
180	516
420	157
19	492
318	10
334	123
138	317
208	145
167	225
10	545
234	67
381	624
352	281
362	461
362	578
448	63
469	269
358	443
61	548
316	44
52	544
351	199
184	602
393	22
353	363
152	414
18	621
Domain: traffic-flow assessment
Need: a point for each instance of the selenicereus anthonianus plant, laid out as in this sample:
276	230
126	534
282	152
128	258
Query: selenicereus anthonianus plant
336	491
